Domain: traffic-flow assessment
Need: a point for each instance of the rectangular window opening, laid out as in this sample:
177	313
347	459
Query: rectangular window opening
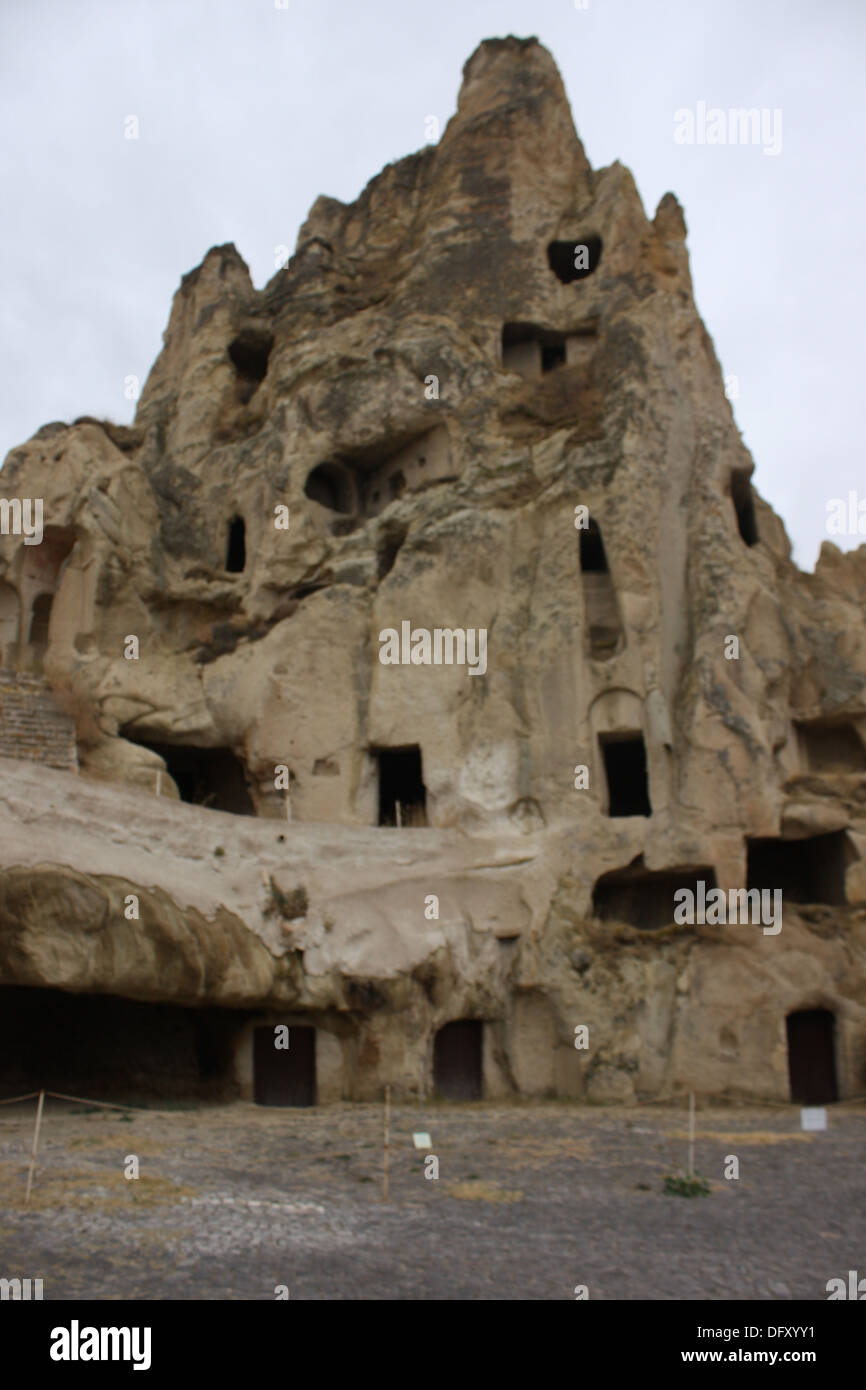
402	794
625	766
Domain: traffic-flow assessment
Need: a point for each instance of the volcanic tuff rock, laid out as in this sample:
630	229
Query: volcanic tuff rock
431	386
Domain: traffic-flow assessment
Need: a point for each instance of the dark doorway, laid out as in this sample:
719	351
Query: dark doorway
561	257
625	767
643	897
812	1056
211	777
832	747
40	619
592	557
331	486
806	871
284	1076
402	795
744	506
457	1064
236	550
101	1047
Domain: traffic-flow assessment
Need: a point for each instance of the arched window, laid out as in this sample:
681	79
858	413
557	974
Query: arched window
40	619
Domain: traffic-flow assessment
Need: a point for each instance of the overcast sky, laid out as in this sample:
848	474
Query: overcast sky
247	112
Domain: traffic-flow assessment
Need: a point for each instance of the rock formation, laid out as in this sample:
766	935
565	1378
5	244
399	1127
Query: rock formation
479	399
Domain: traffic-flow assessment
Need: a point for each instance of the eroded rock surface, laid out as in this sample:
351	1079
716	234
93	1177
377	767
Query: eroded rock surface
399	428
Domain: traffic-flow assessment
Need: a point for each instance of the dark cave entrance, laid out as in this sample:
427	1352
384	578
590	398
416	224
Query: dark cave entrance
249	353
212	777
40	621
604	629
457	1060
532	350
402	794
625	767
812	1056
832	748
331	486
806	871
561	257
744	506
284	1076
103	1047
644	898
593	559
236	548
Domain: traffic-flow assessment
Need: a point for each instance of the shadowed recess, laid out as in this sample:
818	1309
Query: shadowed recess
102	1047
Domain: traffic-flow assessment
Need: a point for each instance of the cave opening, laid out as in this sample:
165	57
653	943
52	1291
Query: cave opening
331	486
744	506
104	1047
402	794
236	549
531	350
644	898
811	1035
830	748
40	621
284	1076
625	767
211	777
249	353
811	870
593	559
457	1060
562	255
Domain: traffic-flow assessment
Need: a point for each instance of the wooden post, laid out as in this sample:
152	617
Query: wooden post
387	1143
399	817
691	1134
35	1145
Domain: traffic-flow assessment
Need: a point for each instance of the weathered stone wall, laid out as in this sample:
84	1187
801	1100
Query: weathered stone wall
667	699
32	726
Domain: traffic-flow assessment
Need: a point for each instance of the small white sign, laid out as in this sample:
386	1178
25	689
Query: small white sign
813	1119
422	1141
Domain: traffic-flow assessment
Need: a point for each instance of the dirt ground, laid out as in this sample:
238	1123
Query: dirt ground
531	1200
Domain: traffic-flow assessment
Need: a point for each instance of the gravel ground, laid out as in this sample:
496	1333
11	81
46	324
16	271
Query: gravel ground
530	1201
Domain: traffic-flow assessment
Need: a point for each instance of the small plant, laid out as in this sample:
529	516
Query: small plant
219	851
686	1185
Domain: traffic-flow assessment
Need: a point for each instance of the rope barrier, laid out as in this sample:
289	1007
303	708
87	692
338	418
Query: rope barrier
79	1100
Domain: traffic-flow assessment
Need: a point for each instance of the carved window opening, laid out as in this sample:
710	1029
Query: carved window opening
625	766
402	794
